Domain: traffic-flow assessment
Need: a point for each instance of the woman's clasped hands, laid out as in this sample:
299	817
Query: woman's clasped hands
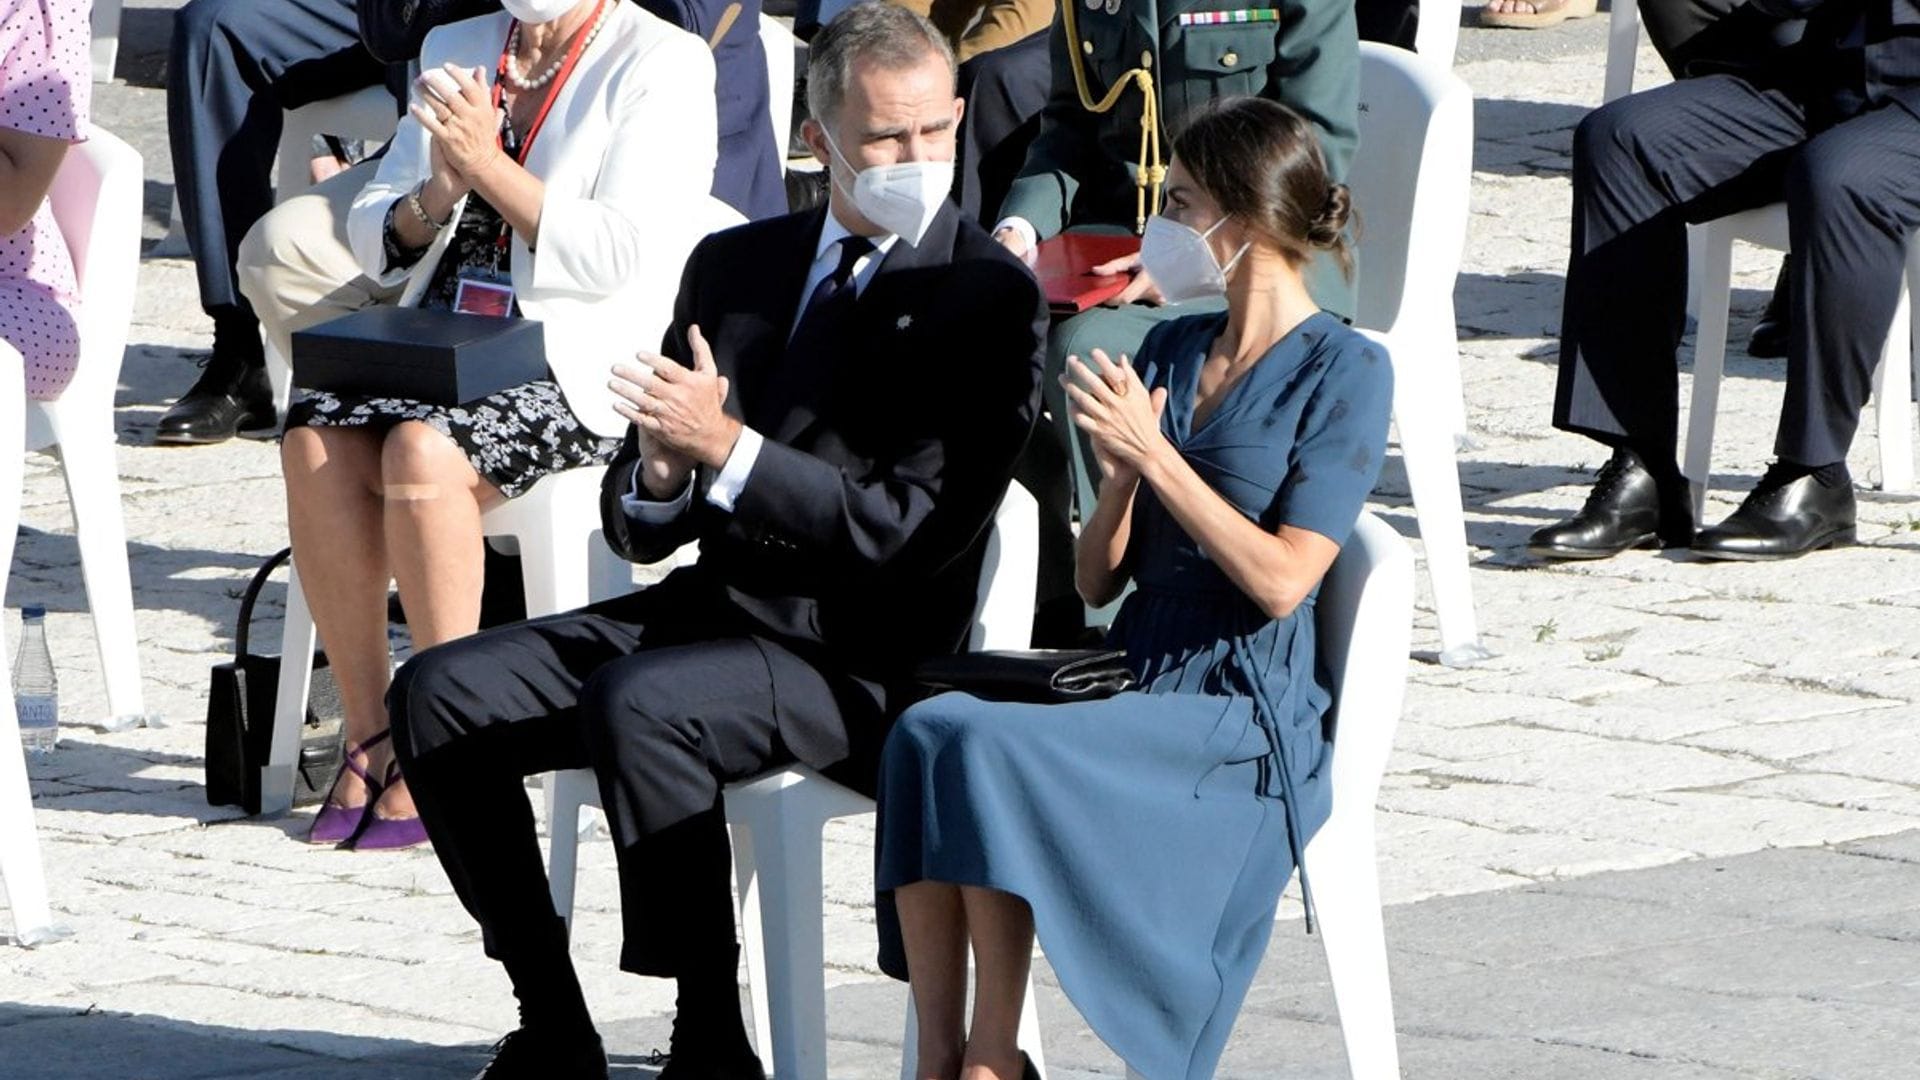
1117	412
456	108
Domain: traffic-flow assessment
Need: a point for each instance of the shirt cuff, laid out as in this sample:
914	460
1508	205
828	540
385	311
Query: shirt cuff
654	511
1025	229
732	476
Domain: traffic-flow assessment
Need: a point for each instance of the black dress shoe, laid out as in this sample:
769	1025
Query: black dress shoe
534	1054
1782	519
1769	338
1627	509
693	1064
220	405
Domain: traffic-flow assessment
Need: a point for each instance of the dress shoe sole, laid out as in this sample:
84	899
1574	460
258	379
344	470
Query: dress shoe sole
1550	551
187	438
1846	537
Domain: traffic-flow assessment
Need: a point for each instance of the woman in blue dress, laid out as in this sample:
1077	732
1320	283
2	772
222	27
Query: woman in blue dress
1147	837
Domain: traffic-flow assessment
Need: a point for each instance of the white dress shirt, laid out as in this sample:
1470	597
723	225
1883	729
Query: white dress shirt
732	477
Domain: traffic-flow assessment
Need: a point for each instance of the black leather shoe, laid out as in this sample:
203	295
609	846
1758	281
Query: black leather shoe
219	406
1625	510
1782	521
1769	338
533	1054
688	1063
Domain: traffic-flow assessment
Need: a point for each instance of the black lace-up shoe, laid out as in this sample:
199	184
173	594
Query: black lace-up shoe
1626	509
222	403
1787	515
535	1054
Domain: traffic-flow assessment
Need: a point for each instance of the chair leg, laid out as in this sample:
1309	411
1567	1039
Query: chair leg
788	878
564	798
1346	887
1709	362
753	938
1892	395
290	700
93	490
1433	475
20	867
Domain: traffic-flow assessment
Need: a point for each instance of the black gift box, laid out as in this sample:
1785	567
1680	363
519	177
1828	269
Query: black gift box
432	356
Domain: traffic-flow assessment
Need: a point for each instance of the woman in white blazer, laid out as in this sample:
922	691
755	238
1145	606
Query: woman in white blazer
553	165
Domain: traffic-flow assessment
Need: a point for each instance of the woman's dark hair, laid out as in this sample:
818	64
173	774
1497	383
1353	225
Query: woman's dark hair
1262	163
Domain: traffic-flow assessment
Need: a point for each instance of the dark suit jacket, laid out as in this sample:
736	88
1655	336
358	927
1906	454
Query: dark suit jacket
1846	77
747	174
857	538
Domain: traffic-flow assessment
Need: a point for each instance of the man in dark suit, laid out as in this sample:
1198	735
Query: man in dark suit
1832	128
836	416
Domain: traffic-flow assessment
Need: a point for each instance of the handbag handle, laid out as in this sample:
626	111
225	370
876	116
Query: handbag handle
259	582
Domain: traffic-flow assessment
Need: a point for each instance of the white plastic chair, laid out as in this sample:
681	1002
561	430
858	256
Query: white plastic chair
1437	34
368	113
1409	180
20	869
555	527
780	45
96	199
106	38
1365	623
1892	379
777	822
1623	48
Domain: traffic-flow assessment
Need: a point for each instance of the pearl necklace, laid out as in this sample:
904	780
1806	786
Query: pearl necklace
513	54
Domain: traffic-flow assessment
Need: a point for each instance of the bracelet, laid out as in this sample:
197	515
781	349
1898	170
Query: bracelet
419	211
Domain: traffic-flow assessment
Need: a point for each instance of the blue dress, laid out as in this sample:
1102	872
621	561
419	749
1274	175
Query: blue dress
1152	832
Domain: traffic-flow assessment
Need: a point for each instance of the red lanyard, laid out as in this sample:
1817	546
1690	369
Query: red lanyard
572	61
553	89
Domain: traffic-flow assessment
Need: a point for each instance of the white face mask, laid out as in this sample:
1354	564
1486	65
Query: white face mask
535	12
902	198
1180	261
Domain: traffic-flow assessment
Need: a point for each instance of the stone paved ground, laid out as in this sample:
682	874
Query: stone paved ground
1668	830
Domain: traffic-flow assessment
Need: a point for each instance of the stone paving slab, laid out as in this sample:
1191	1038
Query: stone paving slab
1663	832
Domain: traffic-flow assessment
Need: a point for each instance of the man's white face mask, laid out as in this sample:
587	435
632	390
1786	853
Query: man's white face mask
536	12
902	198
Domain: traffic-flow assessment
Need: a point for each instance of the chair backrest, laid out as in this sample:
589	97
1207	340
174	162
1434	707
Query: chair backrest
1003	612
1409	180
780	45
97	198
1365	623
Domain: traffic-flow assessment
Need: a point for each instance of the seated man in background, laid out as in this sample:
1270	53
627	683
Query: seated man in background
842	398
235	66
1831	128
1086	171
295	266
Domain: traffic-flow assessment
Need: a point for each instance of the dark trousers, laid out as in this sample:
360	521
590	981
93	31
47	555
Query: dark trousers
1701	37
1004	90
1390	22
667	699
235	66
1647	165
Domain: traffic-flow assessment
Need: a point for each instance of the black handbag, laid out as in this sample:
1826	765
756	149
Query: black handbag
1034	676
240	717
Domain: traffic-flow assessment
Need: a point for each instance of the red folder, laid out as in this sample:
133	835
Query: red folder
1065	265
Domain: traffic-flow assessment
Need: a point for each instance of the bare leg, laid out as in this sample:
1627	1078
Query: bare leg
334	516
1001	926
434	500
933	927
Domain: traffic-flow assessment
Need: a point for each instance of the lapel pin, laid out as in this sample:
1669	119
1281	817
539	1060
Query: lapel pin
903	322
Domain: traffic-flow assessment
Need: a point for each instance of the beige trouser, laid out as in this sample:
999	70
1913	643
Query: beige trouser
295	266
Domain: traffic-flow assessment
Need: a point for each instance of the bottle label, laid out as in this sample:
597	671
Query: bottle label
37	710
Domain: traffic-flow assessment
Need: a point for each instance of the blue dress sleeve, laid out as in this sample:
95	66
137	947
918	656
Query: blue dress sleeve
1339	444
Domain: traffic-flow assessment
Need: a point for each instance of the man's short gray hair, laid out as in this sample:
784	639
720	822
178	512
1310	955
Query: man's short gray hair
873	31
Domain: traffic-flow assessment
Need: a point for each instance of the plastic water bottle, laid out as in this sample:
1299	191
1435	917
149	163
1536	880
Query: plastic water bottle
36	693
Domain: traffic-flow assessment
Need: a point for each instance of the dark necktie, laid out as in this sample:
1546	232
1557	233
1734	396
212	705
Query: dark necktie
835	294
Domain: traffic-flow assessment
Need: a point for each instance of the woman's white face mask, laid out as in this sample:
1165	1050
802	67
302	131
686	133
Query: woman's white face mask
902	198
1181	262
536	12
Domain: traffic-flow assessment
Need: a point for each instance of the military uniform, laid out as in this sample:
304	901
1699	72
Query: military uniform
1084	169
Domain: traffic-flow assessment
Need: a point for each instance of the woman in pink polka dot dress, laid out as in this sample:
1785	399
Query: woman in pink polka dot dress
45	88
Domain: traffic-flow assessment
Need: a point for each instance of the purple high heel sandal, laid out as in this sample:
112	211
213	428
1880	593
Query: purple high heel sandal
387	834
335	823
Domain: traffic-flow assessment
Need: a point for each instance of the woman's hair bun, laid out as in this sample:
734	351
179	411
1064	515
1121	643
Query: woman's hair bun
1329	225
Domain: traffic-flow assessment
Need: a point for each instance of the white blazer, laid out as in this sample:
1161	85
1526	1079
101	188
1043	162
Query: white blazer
627	155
